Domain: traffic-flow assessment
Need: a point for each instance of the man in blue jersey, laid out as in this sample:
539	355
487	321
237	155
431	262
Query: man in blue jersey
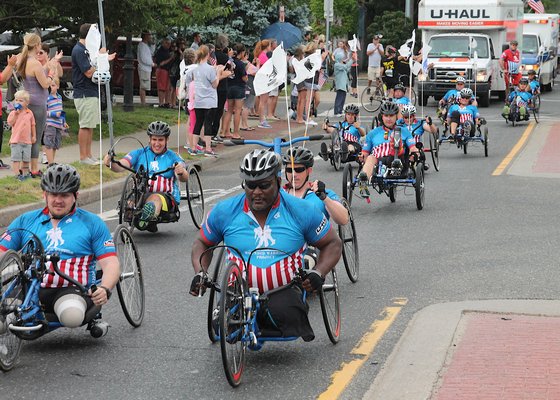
463	114
298	166
80	238
534	85
350	131
164	193
522	98
266	216
379	145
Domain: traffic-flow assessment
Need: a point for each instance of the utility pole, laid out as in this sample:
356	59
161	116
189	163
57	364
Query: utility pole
329	17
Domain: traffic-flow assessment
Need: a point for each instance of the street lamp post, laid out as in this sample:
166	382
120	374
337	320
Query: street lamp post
128	67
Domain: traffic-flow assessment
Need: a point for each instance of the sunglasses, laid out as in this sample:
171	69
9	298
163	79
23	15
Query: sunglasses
40	53
261	185
298	170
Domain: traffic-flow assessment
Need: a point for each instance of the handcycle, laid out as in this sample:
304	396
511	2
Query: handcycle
433	149
514	116
234	309
22	316
462	138
338	153
347	234
373	96
136	188
386	179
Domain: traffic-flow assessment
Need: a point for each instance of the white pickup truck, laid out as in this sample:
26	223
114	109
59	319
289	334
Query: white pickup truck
467	39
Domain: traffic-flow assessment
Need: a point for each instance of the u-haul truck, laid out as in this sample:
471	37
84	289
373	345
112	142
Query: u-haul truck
539	51
455	31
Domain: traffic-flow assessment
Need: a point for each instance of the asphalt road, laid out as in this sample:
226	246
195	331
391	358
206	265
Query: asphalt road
478	237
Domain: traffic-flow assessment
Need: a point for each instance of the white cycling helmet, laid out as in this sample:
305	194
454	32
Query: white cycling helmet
466	93
101	77
408	110
460	79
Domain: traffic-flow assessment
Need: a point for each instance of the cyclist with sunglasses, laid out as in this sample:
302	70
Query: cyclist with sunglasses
523	99
379	142
298	166
164	194
350	132
463	114
416	127
266	216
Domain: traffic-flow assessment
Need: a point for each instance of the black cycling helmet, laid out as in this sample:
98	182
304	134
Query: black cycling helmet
531	72
300	155
60	178
259	164
524	80
159	128
352	109
389	108
398	86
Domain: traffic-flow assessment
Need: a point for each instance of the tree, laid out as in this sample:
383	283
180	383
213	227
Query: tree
345	17
394	27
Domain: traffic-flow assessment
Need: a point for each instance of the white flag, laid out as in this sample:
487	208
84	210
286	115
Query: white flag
354	44
273	73
93	43
473	43
307	67
416	67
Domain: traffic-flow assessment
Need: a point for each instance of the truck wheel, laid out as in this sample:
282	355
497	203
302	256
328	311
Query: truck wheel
484	100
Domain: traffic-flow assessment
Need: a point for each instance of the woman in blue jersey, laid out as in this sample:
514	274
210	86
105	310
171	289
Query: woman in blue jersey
416	127
298	166
350	131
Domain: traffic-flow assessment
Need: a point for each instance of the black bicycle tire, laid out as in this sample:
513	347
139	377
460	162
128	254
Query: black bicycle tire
196	210
333	330
212	334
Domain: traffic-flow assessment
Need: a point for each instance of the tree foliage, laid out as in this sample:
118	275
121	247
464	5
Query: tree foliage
394	27
345	18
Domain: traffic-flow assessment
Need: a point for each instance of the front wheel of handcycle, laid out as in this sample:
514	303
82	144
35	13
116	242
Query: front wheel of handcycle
232	323
131	281
349	239
214	300
336	159
12	294
464	145
434	149
347	183
419	186
330	306
536	107
195	196
485	136
393	194
371	98
130	201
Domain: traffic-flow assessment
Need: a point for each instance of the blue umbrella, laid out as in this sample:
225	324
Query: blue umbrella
284	32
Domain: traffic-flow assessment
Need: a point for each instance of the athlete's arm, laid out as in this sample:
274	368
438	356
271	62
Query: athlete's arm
330	250
111	274
114	166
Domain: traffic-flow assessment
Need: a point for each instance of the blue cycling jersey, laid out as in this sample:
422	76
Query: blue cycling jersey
80	238
348	132
402	101
416	128
524	97
452	94
467	113
534	85
378	141
291	224
313	198
164	183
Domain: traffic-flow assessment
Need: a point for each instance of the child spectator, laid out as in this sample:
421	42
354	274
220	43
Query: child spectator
56	122
23	136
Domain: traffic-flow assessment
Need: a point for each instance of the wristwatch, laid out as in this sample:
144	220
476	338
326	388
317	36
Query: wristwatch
108	291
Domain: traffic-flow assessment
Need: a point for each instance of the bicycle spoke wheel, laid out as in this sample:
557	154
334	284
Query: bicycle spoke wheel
195	197
129	202
371	99
12	295
485	135
350	255
330	306
214	300
131	282
347	183
434	149
231	323
413	97
419	186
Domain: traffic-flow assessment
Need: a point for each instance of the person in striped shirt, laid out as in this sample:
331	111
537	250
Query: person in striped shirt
79	237
56	122
163	195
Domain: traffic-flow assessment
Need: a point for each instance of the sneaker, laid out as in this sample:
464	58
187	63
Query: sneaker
148	212
217	139
95	161
210	153
44	158
324	152
368	91
21	177
3	166
362	176
88	161
264	124
312	123
186	147
274	118
36	174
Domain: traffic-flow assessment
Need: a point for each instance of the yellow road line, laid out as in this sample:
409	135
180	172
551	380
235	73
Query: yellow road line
341	378
507	160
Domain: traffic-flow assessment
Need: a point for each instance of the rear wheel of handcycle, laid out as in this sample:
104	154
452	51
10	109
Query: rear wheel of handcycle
195	196
348	236
231	323
434	149
536	107
130	201
393	194
371	98
214	300
330	306
419	186
464	145
12	294
131	282
347	183
485	136
336	159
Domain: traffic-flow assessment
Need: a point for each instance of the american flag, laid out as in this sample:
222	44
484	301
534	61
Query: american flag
322	79
537	6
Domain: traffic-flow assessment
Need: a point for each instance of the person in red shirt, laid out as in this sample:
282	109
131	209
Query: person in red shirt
510	63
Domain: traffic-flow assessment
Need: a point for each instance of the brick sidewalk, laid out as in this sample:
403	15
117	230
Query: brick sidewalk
502	356
547	158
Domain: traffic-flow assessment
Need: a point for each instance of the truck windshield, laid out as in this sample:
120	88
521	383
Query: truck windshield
530	44
458	46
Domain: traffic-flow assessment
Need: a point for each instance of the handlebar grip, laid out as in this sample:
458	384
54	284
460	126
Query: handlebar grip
319	137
